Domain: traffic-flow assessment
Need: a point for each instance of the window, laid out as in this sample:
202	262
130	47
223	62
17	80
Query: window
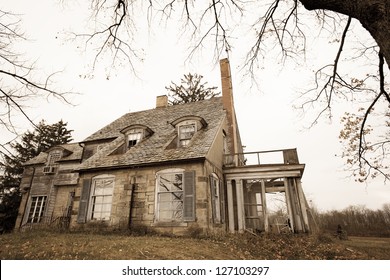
185	134
133	138
186	127
216	200
37	209
175	194
134	134
170	197
101	198
54	156
225	144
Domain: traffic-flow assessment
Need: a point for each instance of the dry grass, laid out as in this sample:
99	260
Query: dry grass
373	247
46	245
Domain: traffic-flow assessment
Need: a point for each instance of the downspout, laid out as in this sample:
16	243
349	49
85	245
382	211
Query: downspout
28	194
131	200
82	145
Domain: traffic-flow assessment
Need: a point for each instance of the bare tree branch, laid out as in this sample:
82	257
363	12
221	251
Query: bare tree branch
17	85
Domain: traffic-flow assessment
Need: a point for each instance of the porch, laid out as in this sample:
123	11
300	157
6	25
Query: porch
264	192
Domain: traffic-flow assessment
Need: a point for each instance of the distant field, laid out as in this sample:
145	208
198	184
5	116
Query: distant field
373	247
72	246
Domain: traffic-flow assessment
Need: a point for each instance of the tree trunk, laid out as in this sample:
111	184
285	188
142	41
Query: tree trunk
374	15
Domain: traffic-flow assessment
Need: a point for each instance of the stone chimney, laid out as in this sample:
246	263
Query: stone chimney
228	104
227	88
161	101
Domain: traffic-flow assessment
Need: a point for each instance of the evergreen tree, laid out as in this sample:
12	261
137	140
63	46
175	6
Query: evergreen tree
30	145
190	90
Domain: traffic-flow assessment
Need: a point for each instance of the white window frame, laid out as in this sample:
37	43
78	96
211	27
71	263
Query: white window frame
177	214
135	136
103	213
183	139
37	209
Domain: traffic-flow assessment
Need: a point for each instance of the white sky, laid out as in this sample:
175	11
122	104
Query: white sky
266	119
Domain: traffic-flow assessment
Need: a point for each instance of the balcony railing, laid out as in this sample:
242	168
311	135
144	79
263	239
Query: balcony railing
283	156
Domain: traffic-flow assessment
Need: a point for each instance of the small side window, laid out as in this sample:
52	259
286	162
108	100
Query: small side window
215	198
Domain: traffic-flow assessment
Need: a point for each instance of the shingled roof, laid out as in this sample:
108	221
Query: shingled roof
72	152
155	148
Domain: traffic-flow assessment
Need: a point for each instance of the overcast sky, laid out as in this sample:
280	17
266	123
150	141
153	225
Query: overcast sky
266	117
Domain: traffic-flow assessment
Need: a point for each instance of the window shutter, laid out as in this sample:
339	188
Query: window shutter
212	194
84	197
189	196
222	200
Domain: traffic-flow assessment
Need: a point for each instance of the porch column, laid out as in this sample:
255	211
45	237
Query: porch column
264	206
289	202
240	205
303	204
230	205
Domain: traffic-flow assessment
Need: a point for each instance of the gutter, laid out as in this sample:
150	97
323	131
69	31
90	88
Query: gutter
139	165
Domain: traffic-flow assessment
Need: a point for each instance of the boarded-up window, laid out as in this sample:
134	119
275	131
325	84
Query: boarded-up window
175	196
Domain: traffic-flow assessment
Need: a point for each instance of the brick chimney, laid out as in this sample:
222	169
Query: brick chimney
161	101
235	145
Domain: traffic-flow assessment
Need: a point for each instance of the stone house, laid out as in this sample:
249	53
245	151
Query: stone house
168	169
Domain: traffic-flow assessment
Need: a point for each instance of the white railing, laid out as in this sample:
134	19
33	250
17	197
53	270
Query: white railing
283	156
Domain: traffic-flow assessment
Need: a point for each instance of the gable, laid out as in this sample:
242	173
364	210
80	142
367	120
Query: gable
70	152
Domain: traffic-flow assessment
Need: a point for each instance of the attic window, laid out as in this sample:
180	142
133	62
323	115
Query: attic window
54	156
186	128
186	132
135	134
133	138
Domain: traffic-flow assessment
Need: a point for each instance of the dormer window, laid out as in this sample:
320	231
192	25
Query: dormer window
51	164
186	131
134	134
54	156
133	137
186	128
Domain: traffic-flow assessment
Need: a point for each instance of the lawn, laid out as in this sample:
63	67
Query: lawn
46	245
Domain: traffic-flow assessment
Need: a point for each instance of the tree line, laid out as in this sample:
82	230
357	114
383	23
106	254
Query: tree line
30	145
355	220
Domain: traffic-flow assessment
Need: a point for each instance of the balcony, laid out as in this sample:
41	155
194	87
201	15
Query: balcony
270	157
